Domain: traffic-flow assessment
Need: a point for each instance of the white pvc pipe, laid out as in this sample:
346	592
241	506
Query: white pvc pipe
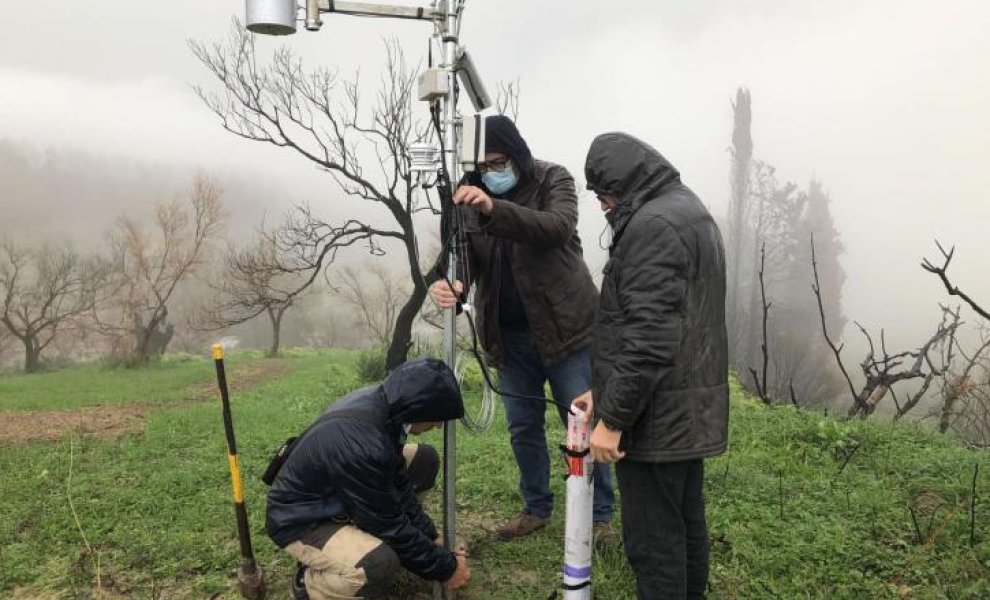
578	540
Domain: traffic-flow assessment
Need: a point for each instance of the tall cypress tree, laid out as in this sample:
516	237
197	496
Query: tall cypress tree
739	182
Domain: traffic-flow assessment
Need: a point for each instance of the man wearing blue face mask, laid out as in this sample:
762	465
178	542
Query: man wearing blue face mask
535	303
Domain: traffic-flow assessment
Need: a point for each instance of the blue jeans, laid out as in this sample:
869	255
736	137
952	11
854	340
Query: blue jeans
525	374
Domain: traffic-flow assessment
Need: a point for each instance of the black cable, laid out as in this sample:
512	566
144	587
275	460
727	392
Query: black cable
484	371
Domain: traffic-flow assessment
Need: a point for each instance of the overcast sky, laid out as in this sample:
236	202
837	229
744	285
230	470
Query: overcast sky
885	101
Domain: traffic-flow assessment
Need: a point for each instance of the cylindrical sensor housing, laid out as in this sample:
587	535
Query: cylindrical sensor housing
271	17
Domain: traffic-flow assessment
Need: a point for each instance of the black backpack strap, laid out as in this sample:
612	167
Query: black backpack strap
278	459
285	450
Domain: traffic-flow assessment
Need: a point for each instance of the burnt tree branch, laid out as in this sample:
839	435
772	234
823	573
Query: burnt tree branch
941	272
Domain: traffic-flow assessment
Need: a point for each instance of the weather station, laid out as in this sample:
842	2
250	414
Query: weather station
460	147
461	140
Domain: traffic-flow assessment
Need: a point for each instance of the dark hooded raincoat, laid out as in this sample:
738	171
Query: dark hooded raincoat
351	468
660	355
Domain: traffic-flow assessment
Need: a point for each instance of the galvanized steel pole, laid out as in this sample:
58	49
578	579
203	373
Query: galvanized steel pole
449	34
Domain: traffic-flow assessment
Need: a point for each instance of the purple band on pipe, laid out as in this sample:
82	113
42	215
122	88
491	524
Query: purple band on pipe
577	572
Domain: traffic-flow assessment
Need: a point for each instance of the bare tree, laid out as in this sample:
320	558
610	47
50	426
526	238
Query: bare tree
43	292
253	283
977	427
767	228
943	276
836	350
761	385
965	393
947	342
778	217
323	119
322	321
507	99
881	374
774	213
4	343
376	295
970	414
149	266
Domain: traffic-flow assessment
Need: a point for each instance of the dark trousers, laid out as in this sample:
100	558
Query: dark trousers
663	527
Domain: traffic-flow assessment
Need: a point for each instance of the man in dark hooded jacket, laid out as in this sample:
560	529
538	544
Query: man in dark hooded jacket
344	501
660	361
535	304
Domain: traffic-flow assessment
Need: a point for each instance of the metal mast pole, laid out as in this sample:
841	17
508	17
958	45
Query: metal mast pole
278	17
448	119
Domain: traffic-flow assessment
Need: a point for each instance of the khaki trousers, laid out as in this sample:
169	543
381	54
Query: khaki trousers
345	562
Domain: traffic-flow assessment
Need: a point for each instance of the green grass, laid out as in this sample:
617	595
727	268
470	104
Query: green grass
96	384
155	506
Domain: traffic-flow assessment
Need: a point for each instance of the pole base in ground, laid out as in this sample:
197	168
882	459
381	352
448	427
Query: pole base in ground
250	583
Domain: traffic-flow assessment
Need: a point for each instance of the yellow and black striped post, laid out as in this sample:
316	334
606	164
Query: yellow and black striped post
250	582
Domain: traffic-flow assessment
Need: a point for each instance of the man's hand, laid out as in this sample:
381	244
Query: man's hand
462	575
605	444
586	403
475	197
443	296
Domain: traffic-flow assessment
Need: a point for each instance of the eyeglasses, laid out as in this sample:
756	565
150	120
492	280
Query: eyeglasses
498	164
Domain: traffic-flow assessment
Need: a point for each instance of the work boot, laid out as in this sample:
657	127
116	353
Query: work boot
520	525
298	584
604	535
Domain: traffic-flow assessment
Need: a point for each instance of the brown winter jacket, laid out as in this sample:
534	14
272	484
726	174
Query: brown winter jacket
537	226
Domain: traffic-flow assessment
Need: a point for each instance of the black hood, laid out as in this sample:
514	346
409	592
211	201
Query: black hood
501	135
629	169
423	390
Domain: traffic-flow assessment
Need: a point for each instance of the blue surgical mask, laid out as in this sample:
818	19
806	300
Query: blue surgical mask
500	182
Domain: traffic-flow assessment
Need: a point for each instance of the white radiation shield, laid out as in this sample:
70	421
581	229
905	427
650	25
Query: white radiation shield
270	17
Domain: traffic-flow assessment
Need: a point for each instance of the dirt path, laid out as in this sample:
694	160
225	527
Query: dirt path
110	421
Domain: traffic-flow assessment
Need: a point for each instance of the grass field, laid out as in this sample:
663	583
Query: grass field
146	513
93	384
